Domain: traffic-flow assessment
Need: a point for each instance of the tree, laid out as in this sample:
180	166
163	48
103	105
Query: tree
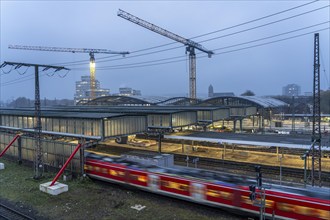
248	93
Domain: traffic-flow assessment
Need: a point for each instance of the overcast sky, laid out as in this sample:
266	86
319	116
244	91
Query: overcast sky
264	69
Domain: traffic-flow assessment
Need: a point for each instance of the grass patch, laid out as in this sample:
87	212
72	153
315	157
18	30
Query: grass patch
87	199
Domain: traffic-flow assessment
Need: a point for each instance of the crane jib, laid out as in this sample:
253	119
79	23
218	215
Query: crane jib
162	31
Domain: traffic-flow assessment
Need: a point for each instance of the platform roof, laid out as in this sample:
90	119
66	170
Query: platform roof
60	114
265	102
290	141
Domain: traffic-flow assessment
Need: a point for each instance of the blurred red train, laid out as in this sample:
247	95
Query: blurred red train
211	188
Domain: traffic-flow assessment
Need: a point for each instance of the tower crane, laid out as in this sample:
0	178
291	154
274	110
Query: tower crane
75	50
190	46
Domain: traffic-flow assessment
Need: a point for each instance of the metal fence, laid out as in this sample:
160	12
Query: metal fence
55	153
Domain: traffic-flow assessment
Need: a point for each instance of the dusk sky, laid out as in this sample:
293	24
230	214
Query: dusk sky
262	55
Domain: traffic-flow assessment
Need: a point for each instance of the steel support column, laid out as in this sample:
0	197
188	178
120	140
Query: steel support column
316	135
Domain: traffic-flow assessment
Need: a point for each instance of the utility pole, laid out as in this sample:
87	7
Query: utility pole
91	53
38	160
316	134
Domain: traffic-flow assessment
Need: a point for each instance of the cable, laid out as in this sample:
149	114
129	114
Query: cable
238	25
23	72
217	49
65	74
204	56
325	75
4	72
19	80
227	35
10	82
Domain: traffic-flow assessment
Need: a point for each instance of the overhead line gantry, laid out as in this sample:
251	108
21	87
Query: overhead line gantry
74	50
190	46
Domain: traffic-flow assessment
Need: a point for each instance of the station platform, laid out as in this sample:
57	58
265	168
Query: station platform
230	154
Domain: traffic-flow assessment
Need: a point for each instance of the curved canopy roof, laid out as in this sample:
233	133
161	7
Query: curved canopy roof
263	102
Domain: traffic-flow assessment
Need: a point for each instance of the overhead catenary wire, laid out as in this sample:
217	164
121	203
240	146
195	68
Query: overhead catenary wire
181	60
177	57
171	58
5	72
239	49
324	71
214	38
31	77
82	62
22	73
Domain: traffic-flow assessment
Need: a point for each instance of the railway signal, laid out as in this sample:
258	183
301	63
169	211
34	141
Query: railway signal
259	176
252	189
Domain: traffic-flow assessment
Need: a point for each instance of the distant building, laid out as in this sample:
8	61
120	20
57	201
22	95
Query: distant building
218	94
291	90
83	90
126	91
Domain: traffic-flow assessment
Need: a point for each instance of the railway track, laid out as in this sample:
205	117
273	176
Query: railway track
270	172
7	213
246	168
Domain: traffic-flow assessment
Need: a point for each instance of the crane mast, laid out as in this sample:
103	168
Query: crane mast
190	46
91	53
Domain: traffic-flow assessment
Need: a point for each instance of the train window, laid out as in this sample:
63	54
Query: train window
88	167
303	210
285	207
133	177
142	178
174	185
183	187
226	195
269	203
116	173
323	214
104	170
164	183
213	193
246	199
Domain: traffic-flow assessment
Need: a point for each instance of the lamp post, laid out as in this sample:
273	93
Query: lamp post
281	170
